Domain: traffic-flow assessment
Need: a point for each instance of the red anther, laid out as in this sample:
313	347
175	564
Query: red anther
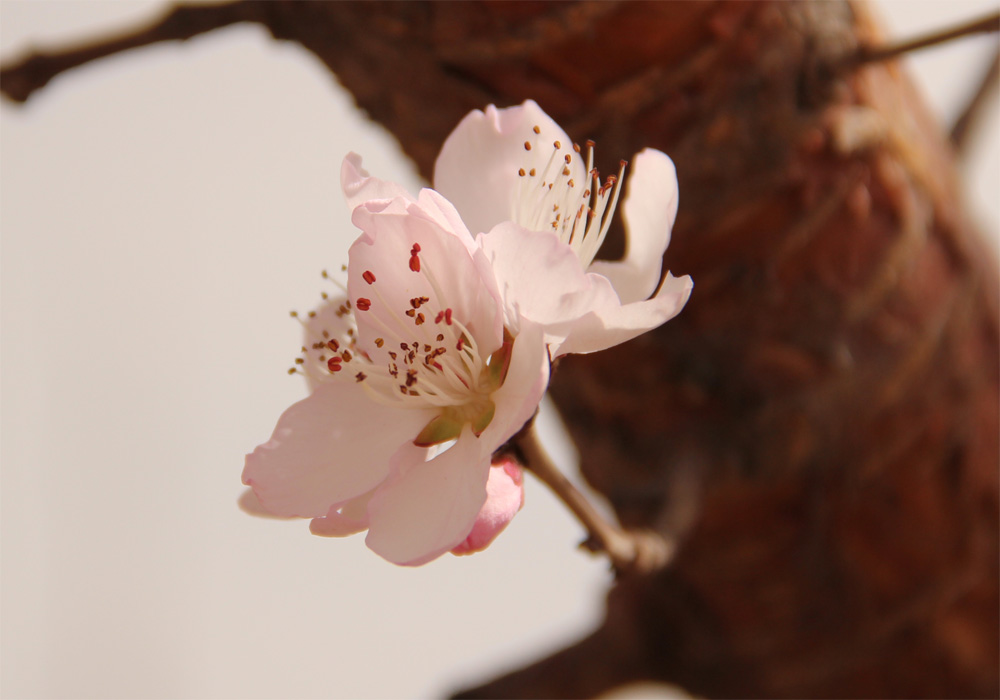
368	277
447	316
415	262
461	344
438	365
333	364
438	319
363	304
415	249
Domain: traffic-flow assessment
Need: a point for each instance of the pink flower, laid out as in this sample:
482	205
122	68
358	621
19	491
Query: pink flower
440	351
516	174
416	359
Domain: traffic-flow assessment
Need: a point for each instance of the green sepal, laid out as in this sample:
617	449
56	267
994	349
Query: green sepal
441	429
499	361
483	420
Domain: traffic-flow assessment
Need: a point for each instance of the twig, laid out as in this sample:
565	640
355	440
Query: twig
875	54
962	127
638	551
20	80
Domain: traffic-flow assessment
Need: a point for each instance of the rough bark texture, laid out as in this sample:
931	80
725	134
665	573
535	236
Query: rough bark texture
819	427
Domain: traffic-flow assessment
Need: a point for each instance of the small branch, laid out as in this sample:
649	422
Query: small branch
638	551
876	54
20	80
962	127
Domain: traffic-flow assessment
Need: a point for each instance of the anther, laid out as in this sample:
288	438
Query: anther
420	319
333	364
536	129
527	146
447	316
411	313
368	277
521	172
531	172
379	342
440	337
414	263
557	144
333	345
568	158
363	304
346	355
293	314
361	376
299	360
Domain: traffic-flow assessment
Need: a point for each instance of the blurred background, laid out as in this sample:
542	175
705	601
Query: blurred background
161	211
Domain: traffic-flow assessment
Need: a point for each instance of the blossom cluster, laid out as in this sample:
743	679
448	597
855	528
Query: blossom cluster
456	302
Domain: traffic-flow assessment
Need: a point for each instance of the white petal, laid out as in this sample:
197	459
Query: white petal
527	378
477	169
504	498
360	187
328	448
539	276
649	210
425	509
611	323
349	519
449	277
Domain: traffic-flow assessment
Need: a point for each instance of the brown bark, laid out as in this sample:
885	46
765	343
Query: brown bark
819	427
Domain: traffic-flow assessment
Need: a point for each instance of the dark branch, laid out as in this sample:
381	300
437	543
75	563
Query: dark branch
963	125
877	54
20	80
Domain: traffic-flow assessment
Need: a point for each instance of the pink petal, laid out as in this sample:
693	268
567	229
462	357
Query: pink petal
448	276
477	169
610	322
360	187
348	519
328	448
540	277
649	210
504	498
527	378
425	509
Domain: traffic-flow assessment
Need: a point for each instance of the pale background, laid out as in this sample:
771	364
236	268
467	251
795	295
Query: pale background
162	211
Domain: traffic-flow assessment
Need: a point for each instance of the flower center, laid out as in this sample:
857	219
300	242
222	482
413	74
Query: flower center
423	356
565	198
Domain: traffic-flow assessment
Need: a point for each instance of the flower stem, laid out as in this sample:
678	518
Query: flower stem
640	551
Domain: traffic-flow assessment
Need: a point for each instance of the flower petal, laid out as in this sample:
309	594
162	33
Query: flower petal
504	498
527	378
540	277
447	275
349	519
425	509
649	210
610	322
360	187
477	169
328	448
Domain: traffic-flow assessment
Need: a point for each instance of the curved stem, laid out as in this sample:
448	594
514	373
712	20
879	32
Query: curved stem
639	551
